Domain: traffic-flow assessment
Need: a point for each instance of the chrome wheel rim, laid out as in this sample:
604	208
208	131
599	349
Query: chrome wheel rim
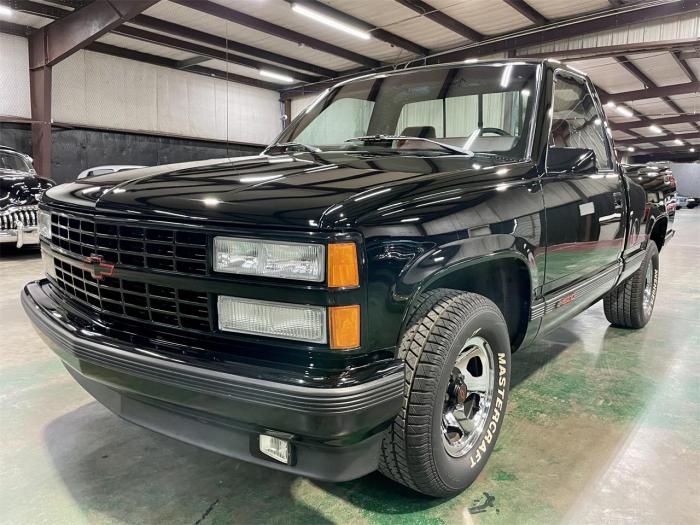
648	296
468	398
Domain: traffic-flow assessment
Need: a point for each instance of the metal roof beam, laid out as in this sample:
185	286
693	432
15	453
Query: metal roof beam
595	22
528	12
376	32
668	136
678	57
156	60
681	46
197	49
446	21
657	92
50	44
49	11
150	22
680	119
237	17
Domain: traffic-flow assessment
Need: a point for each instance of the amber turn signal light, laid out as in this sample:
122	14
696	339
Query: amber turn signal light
344	322
342	265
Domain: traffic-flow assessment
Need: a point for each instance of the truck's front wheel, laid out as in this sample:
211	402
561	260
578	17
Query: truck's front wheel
457	353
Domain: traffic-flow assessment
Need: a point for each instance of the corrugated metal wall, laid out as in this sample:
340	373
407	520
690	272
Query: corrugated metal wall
94	89
14	77
672	28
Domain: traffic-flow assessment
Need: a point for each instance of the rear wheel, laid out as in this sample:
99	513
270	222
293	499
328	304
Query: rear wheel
457	353
631	303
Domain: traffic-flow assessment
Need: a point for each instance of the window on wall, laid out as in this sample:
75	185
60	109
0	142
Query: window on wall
576	122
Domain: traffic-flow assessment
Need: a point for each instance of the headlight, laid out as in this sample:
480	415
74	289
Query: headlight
44	218
283	320
305	262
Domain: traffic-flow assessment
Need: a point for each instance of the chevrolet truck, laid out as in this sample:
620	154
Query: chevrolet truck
349	299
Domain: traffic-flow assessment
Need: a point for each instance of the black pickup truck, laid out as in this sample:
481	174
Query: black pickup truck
349	299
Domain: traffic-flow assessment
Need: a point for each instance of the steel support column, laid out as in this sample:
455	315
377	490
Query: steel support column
40	92
50	44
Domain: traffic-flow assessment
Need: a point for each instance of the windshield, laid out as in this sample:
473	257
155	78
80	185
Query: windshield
484	109
10	161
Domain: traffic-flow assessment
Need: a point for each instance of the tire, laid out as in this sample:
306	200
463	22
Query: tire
624	305
415	451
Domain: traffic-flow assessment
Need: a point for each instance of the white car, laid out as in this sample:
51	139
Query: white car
101	170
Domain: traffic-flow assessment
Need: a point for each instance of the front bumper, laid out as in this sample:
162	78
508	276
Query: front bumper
336	433
20	236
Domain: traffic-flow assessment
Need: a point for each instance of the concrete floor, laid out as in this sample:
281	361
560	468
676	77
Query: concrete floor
603	427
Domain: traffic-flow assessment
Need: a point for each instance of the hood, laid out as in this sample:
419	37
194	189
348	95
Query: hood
302	191
21	189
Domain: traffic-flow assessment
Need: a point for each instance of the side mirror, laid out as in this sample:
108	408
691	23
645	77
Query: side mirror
575	161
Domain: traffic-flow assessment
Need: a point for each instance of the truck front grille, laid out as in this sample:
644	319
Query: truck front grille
136	300
129	245
24	214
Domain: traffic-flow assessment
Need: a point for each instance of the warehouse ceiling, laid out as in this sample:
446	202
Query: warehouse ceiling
643	56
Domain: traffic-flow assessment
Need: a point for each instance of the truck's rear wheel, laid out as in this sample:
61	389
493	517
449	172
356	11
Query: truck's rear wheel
631	303
457	353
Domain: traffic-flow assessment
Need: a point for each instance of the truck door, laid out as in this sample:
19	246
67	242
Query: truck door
584	207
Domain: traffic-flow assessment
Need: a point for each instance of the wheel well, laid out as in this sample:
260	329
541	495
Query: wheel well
506	282
658	232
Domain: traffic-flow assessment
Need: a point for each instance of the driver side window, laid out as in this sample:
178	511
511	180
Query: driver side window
576	122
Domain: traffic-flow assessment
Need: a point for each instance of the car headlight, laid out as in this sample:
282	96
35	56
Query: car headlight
283	320
44	219
283	260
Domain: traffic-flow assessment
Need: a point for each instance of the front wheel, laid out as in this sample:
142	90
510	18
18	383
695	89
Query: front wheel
457	354
631	303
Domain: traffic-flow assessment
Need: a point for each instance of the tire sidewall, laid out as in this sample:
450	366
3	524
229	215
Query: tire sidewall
457	473
653	259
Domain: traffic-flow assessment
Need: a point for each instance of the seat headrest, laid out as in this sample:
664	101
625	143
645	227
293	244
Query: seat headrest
425	132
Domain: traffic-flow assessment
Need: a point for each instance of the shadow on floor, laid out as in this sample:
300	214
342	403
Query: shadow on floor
10	252
133	475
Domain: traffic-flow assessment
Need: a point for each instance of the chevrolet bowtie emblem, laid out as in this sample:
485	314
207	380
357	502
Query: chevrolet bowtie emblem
98	268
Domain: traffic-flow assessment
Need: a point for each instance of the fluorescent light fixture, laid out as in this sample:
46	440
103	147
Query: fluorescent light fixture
505	78
471	61
6	11
655	128
331	22
275	76
625	112
412	219
630	149
678	141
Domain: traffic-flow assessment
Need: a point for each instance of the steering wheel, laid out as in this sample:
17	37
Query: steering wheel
495	131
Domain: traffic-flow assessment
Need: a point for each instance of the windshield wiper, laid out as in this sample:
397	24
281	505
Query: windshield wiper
289	145
314	151
383	138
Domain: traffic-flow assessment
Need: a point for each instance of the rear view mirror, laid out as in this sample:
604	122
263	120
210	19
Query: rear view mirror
579	161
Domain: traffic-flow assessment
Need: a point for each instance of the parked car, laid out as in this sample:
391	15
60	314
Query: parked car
20	191
685	202
103	170
349	299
